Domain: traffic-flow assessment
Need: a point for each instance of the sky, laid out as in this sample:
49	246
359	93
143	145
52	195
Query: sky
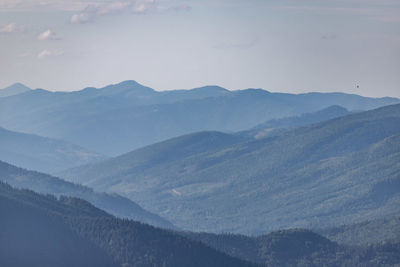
292	46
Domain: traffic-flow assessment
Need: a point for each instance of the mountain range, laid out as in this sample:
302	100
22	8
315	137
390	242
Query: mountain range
153	178
121	117
15	89
41	153
52	155
340	171
112	203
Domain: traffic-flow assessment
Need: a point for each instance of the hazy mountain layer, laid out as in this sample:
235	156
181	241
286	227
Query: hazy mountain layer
272	127
112	203
340	171
42	154
119	118
14	89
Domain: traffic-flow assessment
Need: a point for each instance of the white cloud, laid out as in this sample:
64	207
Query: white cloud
143	6
81	18
90	10
95	10
48	53
48	35
11	27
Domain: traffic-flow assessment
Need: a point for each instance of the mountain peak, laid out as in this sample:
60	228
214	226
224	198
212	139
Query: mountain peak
15	89
256	90
130	83
206	91
128	87
17	84
211	88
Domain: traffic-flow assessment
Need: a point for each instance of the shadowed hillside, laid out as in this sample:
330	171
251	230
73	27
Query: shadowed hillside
299	247
71	232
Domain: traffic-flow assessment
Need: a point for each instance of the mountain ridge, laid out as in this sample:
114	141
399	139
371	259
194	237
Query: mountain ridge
74	227
275	126
332	169
14	89
117	119
41	153
47	184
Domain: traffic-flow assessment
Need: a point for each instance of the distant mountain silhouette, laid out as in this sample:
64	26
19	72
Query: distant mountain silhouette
119	118
15	89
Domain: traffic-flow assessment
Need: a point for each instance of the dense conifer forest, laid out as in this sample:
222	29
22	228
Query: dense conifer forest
71	232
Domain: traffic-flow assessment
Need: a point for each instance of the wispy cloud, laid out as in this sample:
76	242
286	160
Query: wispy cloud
11	28
81	18
40	5
48	35
91	10
49	53
94	11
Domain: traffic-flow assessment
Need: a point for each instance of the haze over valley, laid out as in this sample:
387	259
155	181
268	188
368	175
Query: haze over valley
181	133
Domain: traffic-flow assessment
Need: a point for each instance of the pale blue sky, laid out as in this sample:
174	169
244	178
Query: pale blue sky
287	46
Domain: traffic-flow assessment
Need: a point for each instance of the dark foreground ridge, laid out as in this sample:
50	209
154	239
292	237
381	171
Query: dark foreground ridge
38	230
300	247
